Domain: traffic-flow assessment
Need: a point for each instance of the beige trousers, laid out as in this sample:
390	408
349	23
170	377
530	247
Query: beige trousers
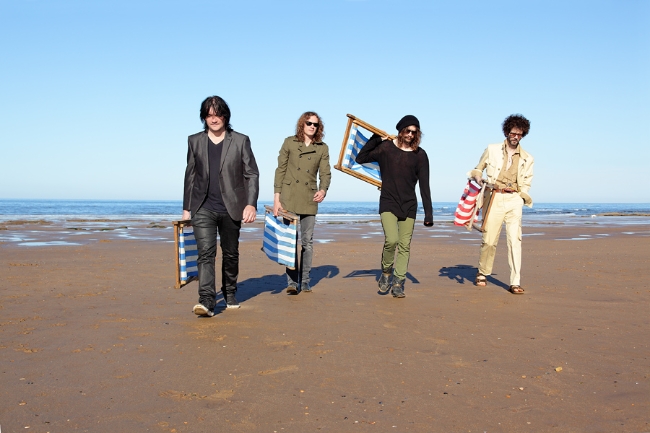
505	208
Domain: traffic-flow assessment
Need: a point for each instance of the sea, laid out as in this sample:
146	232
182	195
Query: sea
329	211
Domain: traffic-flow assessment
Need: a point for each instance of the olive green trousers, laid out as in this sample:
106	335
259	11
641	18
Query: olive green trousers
398	234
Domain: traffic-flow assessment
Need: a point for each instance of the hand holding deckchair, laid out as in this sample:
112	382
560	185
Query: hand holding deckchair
353	141
186	253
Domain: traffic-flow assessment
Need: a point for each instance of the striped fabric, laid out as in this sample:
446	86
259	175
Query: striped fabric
467	203
187	253
279	242
355	143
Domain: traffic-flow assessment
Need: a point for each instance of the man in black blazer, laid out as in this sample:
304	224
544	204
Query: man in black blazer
221	190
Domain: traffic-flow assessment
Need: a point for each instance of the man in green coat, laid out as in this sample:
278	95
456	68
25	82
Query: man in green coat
296	189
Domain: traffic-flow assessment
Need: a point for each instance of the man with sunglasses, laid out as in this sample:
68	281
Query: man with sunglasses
301	181
403	163
509	171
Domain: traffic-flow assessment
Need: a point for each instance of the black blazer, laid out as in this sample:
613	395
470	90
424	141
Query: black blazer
239	176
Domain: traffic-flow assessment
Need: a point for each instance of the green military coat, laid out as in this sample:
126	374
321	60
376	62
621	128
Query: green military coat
295	177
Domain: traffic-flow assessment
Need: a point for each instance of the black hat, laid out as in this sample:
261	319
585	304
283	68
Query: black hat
408	120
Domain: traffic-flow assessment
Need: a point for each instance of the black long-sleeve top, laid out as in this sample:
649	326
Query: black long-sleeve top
400	171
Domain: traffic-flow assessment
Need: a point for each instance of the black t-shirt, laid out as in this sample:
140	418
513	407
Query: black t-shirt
214	200
400	171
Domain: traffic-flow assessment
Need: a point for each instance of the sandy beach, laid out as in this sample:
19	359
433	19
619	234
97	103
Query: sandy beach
93	336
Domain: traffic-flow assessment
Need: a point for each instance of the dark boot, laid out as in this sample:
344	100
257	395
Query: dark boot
231	301
397	289
292	289
384	281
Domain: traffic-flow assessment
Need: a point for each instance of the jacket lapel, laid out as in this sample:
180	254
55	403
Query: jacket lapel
500	159
523	158
303	148
227	142
203	153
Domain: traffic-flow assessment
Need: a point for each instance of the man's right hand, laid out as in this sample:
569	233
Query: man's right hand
479	180
187	215
276	204
276	207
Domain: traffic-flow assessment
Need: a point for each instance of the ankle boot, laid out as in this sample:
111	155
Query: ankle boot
384	281
397	289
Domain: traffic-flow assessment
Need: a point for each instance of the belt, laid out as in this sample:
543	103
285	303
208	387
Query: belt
503	191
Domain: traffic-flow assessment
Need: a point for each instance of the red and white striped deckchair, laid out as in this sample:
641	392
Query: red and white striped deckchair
469	205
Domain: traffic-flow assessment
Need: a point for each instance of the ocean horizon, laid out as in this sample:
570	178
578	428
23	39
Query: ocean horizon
341	211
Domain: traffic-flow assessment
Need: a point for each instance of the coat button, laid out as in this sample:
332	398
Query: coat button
309	157
307	170
306	183
297	181
298	168
300	156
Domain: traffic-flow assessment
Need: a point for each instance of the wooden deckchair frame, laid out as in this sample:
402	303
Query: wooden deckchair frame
286	215
177	229
358	122
481	227
283	213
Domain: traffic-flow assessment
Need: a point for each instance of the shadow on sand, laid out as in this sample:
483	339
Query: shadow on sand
274	284
376	273
467	273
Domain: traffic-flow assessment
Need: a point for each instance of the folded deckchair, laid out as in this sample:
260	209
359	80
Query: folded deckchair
186	253
280	235
353	141
472	203
468	206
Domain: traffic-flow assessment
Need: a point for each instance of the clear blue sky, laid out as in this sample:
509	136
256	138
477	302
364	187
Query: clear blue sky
97	98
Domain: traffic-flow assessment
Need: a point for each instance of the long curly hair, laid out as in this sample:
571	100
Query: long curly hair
300	127
516	121
415	144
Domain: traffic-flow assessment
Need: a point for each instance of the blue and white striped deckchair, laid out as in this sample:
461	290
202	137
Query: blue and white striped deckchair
356	141
279	242
187	254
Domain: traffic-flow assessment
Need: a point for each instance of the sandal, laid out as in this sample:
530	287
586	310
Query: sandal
480	280
516	290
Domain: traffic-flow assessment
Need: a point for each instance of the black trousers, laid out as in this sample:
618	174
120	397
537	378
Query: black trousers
207	225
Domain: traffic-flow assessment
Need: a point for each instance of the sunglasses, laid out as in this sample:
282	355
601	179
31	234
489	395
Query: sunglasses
316	124
411	131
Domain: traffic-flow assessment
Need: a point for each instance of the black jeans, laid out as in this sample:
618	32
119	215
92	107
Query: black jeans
206	226
303	269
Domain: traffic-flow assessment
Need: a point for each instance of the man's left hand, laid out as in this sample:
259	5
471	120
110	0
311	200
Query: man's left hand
319	196
249	214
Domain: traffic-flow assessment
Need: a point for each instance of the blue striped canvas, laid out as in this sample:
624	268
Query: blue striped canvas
356	141
280	240
187	253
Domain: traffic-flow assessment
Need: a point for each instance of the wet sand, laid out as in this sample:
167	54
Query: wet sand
93	336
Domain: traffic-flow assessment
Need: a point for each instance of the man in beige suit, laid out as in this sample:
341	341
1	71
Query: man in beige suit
509	168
